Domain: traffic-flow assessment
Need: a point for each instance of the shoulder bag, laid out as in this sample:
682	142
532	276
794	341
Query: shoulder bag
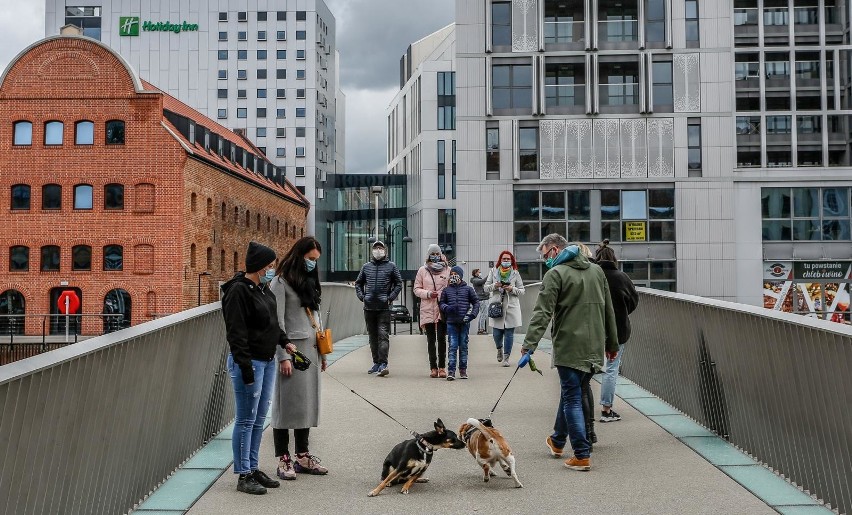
324	345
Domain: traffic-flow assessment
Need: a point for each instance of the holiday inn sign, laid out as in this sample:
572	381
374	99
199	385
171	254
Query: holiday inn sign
129	26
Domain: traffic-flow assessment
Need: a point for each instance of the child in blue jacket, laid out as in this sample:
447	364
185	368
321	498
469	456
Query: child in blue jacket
459	305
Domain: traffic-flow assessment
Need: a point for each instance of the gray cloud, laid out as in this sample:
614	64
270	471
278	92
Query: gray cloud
373	34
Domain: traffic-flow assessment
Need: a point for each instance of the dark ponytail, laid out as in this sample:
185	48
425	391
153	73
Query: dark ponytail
605	253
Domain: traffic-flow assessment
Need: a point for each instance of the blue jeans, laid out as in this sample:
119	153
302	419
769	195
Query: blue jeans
504	338
483	315
610	376
570	422
458	337
252	404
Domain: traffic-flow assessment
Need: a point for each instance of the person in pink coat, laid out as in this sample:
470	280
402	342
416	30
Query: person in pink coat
430	281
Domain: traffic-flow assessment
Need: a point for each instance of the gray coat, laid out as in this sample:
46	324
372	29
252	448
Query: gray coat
296	402
512	304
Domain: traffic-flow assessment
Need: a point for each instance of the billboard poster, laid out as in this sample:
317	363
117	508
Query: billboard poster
819	289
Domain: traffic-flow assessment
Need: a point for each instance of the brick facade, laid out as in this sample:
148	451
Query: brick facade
72	79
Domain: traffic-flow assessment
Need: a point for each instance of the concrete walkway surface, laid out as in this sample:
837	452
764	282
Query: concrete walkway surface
637	467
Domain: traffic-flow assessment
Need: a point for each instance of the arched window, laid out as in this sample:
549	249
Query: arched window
278	227
248	218
114	196
222	260
21	196
223	211
209	258
84	133
113	257
193	199
51	196
23	133
192	255
81	257
209	206
236	261
115	132
257	224
19	259
53	132
83	196
116	303
236	215
12	302
50	258
268	224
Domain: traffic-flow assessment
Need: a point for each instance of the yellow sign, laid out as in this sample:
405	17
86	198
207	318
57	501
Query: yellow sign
634	231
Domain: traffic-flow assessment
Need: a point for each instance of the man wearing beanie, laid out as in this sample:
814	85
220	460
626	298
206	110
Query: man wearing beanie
377	286
459	305
253	332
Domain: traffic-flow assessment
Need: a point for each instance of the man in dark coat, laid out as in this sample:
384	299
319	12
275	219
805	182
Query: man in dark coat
377	286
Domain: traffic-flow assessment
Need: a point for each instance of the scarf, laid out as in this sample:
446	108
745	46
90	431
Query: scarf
436	268
504	273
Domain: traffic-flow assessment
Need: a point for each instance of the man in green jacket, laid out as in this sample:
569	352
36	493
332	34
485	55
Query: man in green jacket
575	296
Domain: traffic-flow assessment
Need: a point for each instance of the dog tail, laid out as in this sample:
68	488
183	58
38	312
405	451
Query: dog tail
479	425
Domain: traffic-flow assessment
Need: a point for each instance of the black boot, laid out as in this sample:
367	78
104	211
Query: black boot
265	480
246	483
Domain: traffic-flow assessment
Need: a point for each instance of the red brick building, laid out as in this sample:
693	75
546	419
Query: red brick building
121	193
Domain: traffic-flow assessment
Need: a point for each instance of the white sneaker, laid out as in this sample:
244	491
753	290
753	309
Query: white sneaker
506	362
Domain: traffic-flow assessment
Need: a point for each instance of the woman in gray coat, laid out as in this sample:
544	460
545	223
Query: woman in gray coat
296	403
504	284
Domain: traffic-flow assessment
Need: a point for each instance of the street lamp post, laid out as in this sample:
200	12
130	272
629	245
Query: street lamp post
376	190
202	274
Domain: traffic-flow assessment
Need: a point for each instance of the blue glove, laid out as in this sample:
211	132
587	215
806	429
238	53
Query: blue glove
524	360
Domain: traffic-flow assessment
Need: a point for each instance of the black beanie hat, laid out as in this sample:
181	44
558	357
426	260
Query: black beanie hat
258	256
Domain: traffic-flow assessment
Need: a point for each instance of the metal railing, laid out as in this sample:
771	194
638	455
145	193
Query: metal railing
15	344
774	384
95	427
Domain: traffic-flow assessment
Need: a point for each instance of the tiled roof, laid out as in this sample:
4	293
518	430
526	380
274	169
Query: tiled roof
174	105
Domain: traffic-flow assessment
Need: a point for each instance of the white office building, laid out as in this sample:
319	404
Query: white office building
268	68
422	142
708	140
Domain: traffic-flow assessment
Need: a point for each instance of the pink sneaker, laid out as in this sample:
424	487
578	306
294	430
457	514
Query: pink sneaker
309	464
285	468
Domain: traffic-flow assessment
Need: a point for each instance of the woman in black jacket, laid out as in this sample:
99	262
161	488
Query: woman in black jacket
624	301
253	333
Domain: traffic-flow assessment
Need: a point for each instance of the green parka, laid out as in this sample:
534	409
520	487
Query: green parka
575	295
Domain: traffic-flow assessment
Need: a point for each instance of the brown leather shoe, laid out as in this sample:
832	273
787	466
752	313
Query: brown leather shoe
434	373
442	372
574	463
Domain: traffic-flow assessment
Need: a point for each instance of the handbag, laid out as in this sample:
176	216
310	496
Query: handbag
324	345
495	309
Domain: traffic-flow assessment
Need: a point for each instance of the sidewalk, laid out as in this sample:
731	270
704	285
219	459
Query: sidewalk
637	467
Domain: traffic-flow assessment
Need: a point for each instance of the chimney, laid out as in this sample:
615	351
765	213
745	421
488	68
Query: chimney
70	30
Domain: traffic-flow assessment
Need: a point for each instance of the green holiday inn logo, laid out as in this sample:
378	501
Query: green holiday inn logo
129	26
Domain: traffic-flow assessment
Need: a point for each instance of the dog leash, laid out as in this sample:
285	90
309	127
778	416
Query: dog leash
415	434
504	391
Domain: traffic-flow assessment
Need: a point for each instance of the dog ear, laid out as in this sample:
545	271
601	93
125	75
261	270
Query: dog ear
439	426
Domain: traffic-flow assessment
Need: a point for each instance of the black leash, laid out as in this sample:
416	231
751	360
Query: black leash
504	391
415	434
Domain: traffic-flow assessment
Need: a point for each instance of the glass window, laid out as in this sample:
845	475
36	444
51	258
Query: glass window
526	205
84	133
281	35
693	138
511	86
51	196
619	83
241	93
655	20
114	196
501	23
50	258
20	196
301	15
301	35
115	132
261	93
300	112
242	112
81	257
280	152
242	55
23	133
281	132
113	257
53	132
634	205
564	84
281	15
835	202
300	151
300	93
223	16
300	132
261	55
261	73
261	112
223	36
242	35
280	113
242	16
563	22
260	132
222	113
692	31
663	96
661	204
83	196
300	54
19	259
492	150
261	15
775	202
578	205
223	55
528	149
442	168
281	73
300	74
261	35
222	93
281	54
806	202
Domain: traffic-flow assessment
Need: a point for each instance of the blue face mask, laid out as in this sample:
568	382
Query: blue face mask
310	265
435	259
268	276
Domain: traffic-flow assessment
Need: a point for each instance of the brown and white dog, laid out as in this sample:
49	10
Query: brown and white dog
488	447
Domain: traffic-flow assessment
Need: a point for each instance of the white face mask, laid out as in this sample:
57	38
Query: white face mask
506	263
378	253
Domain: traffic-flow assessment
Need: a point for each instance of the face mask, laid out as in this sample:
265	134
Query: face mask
378	254
435	259
268	276
310	265
551	260
506	264
454	279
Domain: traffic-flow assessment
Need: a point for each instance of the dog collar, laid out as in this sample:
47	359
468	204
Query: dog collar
424	446
469	433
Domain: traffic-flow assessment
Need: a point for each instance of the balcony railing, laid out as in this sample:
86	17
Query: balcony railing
618	30
563	32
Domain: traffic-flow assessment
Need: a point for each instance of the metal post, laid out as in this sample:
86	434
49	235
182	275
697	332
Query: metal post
67	315
377	217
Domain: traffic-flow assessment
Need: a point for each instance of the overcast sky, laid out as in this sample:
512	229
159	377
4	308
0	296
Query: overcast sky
371	35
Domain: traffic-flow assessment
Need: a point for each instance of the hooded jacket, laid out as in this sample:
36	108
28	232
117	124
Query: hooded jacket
458	303
575	296
625	298
251	323
424	283
378	284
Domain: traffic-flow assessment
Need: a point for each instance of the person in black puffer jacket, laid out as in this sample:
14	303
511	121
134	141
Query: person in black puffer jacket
253	333
459	305
377	286
625	298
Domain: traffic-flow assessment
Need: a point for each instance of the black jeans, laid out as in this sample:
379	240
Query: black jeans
436	332
378	327
281	437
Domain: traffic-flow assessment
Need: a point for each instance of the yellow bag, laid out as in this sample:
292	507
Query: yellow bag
325	345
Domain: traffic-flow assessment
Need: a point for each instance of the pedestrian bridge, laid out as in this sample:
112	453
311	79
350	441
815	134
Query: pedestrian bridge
726	409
